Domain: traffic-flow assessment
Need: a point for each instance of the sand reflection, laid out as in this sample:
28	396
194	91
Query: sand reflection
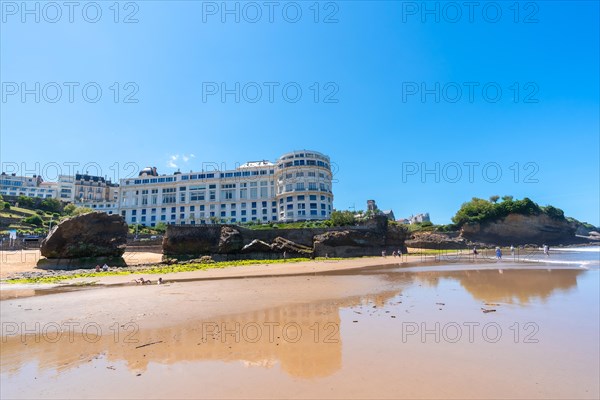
302	339
513	286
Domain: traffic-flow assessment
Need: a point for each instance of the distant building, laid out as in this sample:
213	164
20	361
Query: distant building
29	186
297	187
389	214
66	188
91	189
372	207
419	218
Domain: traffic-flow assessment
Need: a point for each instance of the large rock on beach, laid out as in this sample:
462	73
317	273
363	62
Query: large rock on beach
96	234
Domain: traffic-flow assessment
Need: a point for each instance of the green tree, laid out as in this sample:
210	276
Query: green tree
69	208
51	205
342	218
507	198
553	212
34	220
7	206
161	227
26	202
81	210
494	198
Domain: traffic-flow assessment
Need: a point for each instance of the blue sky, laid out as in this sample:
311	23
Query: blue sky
400	91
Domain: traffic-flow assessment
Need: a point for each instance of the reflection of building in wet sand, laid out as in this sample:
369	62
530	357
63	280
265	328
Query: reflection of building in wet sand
509	285
303	338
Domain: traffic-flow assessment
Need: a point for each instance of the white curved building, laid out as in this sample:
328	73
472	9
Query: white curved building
303	181
297	187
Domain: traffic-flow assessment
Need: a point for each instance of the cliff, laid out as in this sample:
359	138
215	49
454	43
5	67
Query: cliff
518	229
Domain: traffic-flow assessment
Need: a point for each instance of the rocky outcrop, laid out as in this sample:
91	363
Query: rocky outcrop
435	240
348	243
96	234
518	229
230	240
282	245
233	242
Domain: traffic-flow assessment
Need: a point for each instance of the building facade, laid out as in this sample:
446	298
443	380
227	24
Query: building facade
297	187
30	186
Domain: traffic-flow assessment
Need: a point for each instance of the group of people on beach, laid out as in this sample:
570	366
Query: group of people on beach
545	248
395	253
104	268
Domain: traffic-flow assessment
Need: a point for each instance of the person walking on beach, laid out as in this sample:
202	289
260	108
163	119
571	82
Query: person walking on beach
546	250
383	253
498	253
512	250
475	251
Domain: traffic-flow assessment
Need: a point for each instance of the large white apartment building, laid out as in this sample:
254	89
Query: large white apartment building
296	187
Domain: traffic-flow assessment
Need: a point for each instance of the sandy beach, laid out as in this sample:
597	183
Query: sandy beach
360	328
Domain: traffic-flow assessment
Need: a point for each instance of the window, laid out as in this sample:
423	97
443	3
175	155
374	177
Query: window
313	197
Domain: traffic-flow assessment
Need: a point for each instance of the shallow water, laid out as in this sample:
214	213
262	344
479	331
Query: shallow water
422	332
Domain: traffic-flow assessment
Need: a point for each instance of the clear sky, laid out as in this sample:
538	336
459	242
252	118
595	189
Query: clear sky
493	98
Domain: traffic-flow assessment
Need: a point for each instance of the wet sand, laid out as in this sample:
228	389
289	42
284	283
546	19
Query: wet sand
12	262
341	333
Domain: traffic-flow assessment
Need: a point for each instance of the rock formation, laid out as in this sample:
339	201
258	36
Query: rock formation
233	242
434	240
96	234
518	229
